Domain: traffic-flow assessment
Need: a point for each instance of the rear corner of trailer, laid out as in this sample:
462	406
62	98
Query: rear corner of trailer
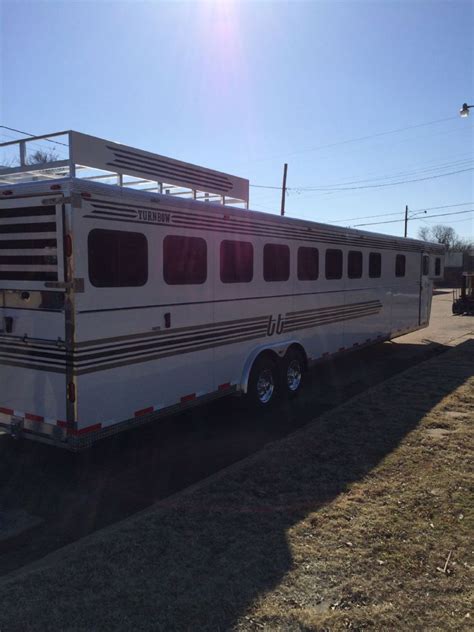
32	313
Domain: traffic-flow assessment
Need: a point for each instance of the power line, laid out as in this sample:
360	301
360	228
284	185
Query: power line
388	184
337	194
358	139
415	210
395	221
263	186
452	221
19	131
362	138
329	188
409	172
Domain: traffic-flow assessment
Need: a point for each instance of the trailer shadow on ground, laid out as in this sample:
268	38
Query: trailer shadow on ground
76	494
199	560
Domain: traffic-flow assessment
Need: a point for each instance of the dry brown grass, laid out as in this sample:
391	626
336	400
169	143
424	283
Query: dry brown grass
374	558
343	525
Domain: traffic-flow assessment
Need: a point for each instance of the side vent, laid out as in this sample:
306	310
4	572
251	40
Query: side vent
28	244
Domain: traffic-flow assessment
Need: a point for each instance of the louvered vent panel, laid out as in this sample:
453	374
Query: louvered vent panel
28	244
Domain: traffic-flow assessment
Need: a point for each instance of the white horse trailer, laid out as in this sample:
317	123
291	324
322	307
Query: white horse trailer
133	286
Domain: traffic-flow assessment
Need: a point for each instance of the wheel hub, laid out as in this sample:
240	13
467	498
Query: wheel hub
265	386
293	375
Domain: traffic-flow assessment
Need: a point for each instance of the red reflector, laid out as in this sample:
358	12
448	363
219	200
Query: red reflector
6	411
55	187
222	387
144	411
71	392
61	424
33	417
188	398
86	195
7	192
342	348
68	245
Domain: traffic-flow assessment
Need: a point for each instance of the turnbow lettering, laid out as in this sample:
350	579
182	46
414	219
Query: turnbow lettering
157	217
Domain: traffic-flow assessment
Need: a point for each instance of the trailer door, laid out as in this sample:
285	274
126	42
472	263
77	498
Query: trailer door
426	290
32	319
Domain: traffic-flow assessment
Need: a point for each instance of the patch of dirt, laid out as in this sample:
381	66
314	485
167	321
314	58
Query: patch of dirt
437	433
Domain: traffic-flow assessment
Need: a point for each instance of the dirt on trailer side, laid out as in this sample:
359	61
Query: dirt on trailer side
361	520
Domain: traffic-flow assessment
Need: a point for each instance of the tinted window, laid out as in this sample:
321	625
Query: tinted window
276	262
437	266
375	265
184	260
117	258
426	265
308	264
236	261
400	266
354	264
333	264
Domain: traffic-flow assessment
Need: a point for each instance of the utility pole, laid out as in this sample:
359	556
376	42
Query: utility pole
283	189
406	220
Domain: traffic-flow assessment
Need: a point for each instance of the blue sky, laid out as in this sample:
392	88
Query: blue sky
245	86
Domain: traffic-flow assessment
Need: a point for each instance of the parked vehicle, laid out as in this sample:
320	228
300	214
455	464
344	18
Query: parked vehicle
463	298
133	286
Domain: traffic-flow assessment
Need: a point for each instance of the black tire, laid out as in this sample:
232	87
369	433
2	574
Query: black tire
264	383
292	375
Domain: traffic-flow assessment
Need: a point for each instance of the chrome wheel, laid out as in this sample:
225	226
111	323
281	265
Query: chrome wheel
265	386
294	376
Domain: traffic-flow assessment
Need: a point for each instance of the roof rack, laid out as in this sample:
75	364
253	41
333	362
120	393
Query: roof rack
71	154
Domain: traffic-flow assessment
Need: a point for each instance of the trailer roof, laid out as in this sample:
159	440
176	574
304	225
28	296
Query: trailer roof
94	164
72	154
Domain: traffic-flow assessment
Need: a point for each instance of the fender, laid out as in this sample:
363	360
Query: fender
279	348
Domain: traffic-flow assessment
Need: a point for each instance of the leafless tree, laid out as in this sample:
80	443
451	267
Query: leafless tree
41	157
445	235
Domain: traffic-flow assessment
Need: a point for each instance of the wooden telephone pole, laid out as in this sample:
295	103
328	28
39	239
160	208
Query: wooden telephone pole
406	220
283	189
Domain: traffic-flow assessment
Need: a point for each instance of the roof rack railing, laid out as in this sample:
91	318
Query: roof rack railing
70	154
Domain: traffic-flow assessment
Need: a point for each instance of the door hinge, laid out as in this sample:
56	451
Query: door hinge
77	285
